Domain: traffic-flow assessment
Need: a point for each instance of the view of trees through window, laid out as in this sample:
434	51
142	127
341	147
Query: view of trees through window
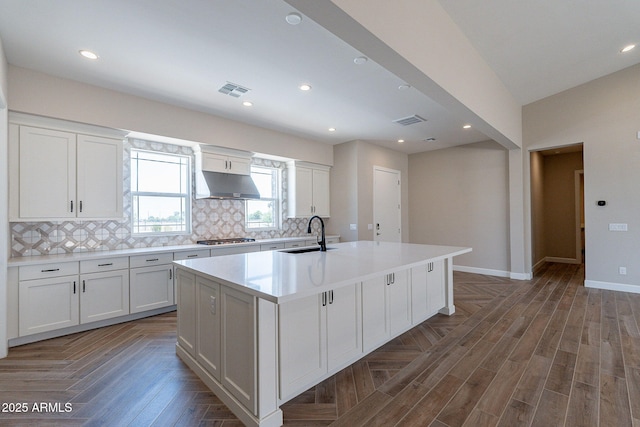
159	192
264	213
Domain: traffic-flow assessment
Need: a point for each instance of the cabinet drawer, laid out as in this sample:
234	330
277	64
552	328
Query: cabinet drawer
43	271
199	253
150	259
298	244
271	246
95	265
232	250
333	240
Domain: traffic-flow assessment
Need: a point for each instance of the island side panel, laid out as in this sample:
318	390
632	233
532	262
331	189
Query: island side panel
449	308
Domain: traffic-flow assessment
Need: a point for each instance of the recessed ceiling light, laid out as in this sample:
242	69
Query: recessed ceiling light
88	54
332	129
403	87
627	48
305	87
401	141
466	126
293	18
247	104
360	60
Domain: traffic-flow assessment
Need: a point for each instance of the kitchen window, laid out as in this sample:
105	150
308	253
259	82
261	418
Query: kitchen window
264	214
160	193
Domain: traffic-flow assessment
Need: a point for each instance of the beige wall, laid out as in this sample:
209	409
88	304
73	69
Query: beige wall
460	196
352	187
45	95
537	207
604	115
560	205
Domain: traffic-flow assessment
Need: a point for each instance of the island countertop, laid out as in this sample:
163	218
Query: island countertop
278	276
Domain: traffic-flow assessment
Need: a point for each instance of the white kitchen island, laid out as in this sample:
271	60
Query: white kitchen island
262	327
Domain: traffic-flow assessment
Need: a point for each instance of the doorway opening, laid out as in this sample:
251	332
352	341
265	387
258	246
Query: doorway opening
557	205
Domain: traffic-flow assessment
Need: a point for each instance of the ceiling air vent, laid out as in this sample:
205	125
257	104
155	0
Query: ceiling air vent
406	121
233	89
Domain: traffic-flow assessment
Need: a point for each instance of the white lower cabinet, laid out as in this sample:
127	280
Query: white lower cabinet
436	293
386	308
319	333
151	282
186	299
48	304
104	295
427	290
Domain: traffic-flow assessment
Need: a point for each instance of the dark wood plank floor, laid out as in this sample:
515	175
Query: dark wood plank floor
537	353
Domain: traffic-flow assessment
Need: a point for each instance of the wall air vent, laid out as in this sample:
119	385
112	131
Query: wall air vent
406	121
233	89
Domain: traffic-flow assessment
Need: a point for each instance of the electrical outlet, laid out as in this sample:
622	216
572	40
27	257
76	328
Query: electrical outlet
353	227
369	226
618	227
622	270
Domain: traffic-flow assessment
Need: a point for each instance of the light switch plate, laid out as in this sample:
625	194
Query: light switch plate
353	226
369	226
618	227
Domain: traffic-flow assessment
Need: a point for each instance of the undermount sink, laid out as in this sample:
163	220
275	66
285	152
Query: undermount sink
304	250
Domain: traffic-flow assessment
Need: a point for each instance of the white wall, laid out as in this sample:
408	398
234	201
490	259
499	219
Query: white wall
604	115
4	199
45	95
460	196
344	191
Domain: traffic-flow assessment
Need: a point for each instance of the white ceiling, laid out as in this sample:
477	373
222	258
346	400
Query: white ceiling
182	51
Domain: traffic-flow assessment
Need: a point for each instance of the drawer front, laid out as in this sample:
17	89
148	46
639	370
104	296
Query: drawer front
150	259
297	244
108	264
333	240
199	253
271	246
42	271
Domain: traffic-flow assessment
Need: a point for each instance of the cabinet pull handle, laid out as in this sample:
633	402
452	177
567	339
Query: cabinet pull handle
80	205
72	206
330	297
105	265
74	286
230	166
170	274
50	270
226	164
84	288
192	256
324	299
393	278
152	259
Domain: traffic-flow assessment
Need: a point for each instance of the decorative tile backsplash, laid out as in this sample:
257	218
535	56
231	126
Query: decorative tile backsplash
210	219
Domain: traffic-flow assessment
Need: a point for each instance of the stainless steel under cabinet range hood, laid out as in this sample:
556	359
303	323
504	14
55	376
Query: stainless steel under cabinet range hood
217	185
223	173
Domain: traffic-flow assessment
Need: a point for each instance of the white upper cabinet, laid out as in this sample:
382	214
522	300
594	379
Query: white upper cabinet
57	174
309	187
225	160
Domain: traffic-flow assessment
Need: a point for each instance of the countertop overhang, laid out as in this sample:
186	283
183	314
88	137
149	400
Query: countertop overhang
278	276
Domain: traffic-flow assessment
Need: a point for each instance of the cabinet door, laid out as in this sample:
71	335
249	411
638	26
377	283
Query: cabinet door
419	307
302	333
239	357
99	179
239	165
344	326
321	196
399	300
47	177
214	162
104	295
208	326
151	287
48	304
435	286
375	318
303	192
186	295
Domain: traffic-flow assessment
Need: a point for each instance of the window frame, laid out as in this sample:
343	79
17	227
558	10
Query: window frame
186	195
276	201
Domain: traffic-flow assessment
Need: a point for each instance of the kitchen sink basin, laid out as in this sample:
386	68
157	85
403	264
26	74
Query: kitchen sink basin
304	250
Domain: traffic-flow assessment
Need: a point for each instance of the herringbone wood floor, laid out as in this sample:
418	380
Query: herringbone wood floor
543	352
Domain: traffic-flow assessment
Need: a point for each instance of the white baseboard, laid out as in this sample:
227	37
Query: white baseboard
623	287
491	272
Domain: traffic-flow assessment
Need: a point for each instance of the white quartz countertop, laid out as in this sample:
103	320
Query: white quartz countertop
278	276
88	255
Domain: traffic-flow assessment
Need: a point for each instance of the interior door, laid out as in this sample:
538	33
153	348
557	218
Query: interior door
386	205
